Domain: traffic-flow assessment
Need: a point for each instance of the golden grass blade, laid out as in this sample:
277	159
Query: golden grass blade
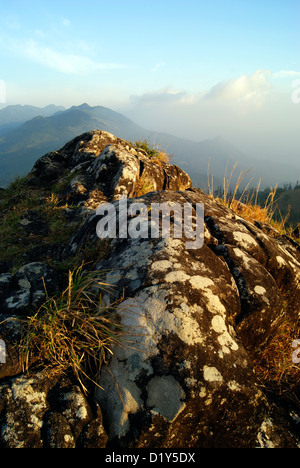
74	330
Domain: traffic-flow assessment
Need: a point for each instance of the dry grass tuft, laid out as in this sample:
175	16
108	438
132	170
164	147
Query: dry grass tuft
74	330
246	205
143	186
154	152
275	368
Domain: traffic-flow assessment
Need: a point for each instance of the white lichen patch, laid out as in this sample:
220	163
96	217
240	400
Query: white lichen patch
201	282
22	300
189	330
211	374
281	262
68	438
191	382
129	172
208	402
234	386
120	400
246	259
178	266
148	321
289	255
161	265
244	240
225	340
78	406
213	303
265	433
218	324
147	314
177	276
260	290
24	284
26	400
135	257
22	390
82	413
173	246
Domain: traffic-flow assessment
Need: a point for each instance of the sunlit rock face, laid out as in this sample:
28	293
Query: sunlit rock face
195	318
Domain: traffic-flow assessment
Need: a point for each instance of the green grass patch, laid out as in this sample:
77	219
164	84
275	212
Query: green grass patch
155	153
16	201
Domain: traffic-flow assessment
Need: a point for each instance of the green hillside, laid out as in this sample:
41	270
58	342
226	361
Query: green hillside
20	149
286	203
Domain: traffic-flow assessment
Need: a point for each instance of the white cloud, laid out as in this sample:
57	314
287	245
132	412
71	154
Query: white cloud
286	74
253	111
63	62
245	89
241	95
163	96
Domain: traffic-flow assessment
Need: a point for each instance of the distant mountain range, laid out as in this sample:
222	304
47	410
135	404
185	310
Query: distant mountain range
12	117
28	132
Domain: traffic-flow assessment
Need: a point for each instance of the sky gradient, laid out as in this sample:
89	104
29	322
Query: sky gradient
195	68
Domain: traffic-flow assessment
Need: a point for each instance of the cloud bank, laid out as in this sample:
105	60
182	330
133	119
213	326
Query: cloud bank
255	112
247	90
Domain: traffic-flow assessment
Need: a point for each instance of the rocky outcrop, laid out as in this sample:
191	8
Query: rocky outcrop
101	167
28	288
42	411
196	319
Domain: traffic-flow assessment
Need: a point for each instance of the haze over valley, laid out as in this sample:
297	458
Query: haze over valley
28	132
208	81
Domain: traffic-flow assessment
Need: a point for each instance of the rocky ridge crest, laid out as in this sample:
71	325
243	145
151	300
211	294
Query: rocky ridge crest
200	317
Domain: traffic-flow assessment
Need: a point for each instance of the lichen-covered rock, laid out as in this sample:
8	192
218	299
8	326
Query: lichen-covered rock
196	318
10	335
195	321
44	410
105	167
185	363
34	224
24	402
28	288
265	269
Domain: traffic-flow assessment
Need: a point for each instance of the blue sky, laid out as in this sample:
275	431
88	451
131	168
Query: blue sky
234	62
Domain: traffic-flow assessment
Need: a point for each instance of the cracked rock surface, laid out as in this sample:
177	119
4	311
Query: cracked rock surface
196	318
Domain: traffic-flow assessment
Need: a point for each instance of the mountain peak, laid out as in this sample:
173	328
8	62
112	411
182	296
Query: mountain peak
21	144
84	106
